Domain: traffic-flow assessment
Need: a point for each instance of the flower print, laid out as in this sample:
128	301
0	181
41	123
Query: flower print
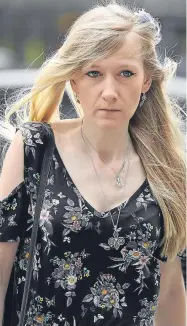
122	262
67	239
35	315
11	220
144	234
123	251
36	176
71	282
46	218
156	274
146	244
107	295
10	206
50	302
24	256
37	137
76	225
32	186
55	202
144	198
134	254
61	195
50	180
146	315
70	270
61	318
135	258
36	265
74	220
2	220
56	162
78	262
96	318
31	139
144	260
46	226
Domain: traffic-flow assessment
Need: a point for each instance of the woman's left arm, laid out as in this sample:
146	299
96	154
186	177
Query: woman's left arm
171	309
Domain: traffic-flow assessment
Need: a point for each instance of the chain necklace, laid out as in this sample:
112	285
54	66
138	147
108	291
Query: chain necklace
119	181
116	241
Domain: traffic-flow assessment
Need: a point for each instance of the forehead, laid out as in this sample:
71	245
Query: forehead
128	54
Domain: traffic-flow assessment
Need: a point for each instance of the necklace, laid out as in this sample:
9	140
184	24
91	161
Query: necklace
116	241
119	181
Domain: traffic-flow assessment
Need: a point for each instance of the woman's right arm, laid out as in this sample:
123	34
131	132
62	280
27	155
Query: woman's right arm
7	256
11	176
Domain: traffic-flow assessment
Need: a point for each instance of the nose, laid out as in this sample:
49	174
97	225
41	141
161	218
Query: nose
109	91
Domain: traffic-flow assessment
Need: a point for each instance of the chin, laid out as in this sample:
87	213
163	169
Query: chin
110	123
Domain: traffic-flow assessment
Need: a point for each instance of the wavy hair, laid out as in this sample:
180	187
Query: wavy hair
155	129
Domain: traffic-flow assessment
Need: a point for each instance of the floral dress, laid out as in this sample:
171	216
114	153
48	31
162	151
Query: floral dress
84	273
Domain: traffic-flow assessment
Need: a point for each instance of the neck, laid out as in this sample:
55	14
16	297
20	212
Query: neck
110	144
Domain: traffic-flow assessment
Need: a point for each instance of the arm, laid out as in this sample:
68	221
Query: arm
171	309
7	255
11	176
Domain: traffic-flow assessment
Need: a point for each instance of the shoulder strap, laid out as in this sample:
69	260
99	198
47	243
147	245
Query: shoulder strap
43	180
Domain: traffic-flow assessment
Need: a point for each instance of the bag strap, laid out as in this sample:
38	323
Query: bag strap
44	175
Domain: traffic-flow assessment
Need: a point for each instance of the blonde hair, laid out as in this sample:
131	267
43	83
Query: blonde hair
155	129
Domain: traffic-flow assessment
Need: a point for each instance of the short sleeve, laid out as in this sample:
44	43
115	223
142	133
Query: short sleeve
35	136
14	214
158	254
16	211
159	234
158	251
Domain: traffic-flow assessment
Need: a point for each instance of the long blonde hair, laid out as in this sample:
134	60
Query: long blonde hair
155	129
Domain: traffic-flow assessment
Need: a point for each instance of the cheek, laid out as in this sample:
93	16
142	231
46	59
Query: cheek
132	91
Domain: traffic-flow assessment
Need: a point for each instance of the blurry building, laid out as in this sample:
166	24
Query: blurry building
31	31
34	29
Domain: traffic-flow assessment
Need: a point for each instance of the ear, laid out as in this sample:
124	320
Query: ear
146	84
73	85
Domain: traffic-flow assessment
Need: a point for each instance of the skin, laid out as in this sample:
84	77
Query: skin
115	82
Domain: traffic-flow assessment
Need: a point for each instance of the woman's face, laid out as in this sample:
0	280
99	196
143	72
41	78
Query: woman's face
109	91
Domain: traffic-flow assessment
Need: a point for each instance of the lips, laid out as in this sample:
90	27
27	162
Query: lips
113	110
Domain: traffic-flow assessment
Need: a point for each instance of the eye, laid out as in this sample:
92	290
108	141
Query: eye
127	73
93	73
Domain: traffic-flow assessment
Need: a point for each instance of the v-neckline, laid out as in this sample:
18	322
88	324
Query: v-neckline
113	210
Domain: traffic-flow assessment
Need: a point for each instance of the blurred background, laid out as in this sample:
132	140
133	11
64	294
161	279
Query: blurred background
31	30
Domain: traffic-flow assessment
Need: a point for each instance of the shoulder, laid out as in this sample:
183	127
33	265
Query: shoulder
34	132
63	127
35	135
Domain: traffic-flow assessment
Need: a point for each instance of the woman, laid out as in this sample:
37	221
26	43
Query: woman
113	216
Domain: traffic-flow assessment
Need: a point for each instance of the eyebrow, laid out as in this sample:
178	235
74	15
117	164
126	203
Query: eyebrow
120	65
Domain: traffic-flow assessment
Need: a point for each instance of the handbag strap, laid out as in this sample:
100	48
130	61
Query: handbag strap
44	175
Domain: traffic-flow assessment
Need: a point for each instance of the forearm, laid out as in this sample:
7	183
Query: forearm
172	311
3	290
4	280
2	299
7	256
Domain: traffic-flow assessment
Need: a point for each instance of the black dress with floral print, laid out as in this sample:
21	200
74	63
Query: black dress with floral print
84	273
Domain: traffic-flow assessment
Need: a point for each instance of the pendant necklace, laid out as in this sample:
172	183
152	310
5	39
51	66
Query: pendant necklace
119	181
116	241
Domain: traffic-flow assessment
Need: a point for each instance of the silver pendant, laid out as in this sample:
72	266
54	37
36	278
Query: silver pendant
119	182
116	241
